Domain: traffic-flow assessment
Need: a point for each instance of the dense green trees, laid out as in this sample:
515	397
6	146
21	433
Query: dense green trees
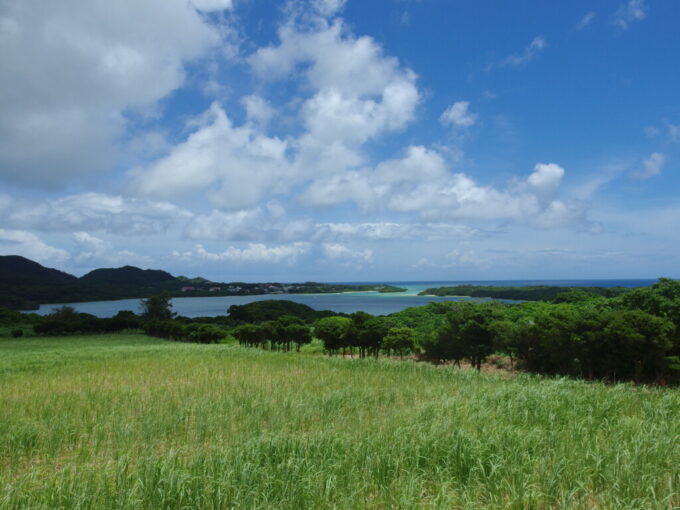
469	333
251	335
332	332
158	307
640	341
526	293
365	333
630	337
272	309
360	331
580	340
65	320
280	334
371	333
194	332
400	340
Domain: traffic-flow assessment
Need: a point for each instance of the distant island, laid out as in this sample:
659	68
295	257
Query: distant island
25	285
528	293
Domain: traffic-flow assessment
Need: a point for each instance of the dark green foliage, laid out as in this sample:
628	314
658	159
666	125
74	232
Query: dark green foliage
631	337
332	331
611	344
16	333
281	333
157	308
127	275
272	309
470	332
575	295
251	334
360	331
528	293
66	321
25	284
423	319
13	318
352	338
299	334
203	333
168	329
401	340
640	340
16	270
125	320
661	299
371	333
327	288
194	333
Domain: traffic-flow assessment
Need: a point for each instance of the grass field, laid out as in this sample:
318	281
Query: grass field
127	421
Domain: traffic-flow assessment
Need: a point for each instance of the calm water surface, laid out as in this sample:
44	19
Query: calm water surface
370	302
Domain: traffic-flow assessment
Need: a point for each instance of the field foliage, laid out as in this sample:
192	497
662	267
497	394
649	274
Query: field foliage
127	421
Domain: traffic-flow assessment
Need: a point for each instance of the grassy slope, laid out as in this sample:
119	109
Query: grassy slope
132	422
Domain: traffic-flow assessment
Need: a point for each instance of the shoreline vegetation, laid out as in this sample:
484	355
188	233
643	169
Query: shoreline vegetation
25	285
524	293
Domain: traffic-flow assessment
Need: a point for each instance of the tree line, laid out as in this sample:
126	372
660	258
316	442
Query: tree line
633	336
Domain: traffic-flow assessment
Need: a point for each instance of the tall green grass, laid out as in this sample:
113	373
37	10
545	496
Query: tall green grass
132	422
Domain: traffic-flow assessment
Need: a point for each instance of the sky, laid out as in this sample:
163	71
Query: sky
333	140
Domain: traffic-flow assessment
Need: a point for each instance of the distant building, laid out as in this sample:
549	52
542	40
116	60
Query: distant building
187	289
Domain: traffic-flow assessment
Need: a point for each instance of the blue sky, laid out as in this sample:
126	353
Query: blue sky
342	140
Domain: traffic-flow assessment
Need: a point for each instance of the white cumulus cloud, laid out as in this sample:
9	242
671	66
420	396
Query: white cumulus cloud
458	115
357	92
243	225
72	69
354	258
96	252
94	212
253	252
651	166
420	183
238	165
27	244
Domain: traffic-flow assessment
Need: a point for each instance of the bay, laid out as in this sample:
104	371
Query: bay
374	303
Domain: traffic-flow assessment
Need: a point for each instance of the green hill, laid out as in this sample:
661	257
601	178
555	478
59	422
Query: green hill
25	284
16	270
128	275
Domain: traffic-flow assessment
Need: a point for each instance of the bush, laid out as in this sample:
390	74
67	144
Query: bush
16	333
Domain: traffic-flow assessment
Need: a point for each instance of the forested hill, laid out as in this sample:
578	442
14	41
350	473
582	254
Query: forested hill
25	284
128	275
16	270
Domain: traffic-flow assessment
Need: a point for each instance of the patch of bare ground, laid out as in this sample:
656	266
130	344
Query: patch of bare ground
496	364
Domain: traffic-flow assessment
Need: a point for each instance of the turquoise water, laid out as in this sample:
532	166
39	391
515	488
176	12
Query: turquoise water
370	302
